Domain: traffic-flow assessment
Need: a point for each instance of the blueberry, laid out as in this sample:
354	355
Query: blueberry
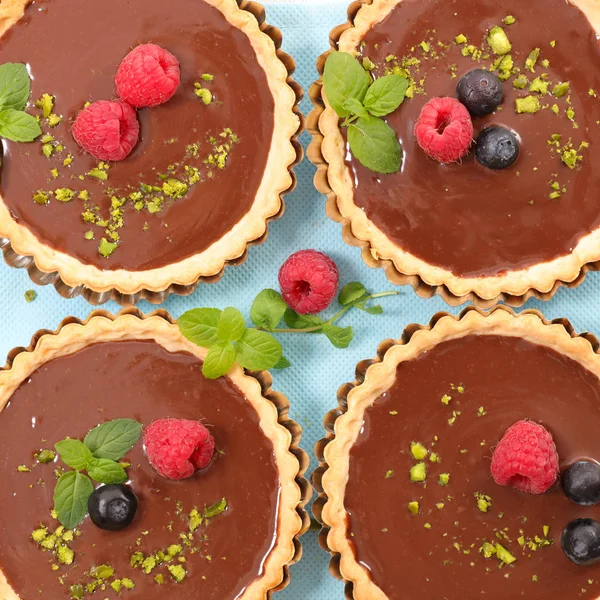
497	147
581	482
581	541
112	507
480	91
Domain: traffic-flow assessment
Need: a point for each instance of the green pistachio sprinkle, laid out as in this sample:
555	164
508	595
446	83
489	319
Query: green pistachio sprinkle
481	412
444	478
498	41
67	161
102	572
45	456
520	82
532	59
427	525
413	508
368	64
553	43
106	248
177	572
388	474
560	89
64	194
204	94
488	550
425	47
509	20
76	591
207	77
418	451
504	555
45	104
434	458
528	105
484	503
54	120
54	173
418	473
89	235
65	555
23	469
446	399
555	109
98	173
539	86
47	150
461	39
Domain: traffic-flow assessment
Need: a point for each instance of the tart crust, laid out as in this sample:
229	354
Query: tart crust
277	179
377	376
271	408
333	179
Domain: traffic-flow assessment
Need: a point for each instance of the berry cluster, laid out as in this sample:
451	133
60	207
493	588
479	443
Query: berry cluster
444	129
148	76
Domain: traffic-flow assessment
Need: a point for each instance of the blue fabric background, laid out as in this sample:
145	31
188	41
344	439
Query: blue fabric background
318	369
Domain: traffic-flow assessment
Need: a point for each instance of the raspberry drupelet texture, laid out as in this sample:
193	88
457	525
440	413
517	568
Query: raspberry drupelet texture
176	448
309	281
526	458
444	130
148	76
107	130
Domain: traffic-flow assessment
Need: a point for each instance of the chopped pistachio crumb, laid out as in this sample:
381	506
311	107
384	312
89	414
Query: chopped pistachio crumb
47	150
393	413
388	474
509	20
504	555
45	456
498	41
413	508
102	572
570	114
67	161
207	77
54	120
592	93
45	104
41	197
520	82
434	458
444	478
76	591
204	94
532	59
98	173
425	46
553	43
65	555
418	451
23	469
488	550
177	572
106	248
461	39
539	86
546	530
555	109
446	399
368	64
418	473
89	235
427	525
481	412
529	104
484	502
560	89
54	173
440	505
64	194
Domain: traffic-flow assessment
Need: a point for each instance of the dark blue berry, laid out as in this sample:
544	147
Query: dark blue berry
480	91
581	541
581	482
497	147
112	507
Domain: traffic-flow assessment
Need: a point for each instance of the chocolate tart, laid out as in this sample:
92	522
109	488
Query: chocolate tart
461	230
455	386
140	367
253	113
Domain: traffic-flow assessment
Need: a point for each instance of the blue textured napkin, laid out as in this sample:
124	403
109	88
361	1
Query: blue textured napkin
318	369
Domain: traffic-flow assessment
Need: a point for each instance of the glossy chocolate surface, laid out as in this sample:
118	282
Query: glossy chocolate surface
70	395
68	61
511	379
463	217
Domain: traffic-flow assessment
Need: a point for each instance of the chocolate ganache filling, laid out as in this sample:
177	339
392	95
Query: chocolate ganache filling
457	400
464	217
140	380
72	50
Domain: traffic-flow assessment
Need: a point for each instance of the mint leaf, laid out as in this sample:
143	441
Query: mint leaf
295	321
219	360
231	325
104	470
258	350
372	310
15	86
71	495
113	439
344	78
356	107
340	337
18	126
385	95
74	453
267	309
375	145
282	363
200	326
351	293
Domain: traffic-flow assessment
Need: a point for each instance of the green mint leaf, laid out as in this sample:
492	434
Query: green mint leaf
282	363
71	495
375	145
258	350
351	293
340	337
18	126
355	107
386	94
372	310
231	325
104	470
219	360
74	453
113	439
216	509
200	326
15	86
295	321
344	78
267	309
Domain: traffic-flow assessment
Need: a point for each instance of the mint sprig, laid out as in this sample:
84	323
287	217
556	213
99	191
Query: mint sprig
15	87
225	334
98	454
362	101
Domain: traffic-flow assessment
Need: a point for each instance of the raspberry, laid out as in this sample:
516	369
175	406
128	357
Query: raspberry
177	447
444	130
148	76
308	280
526	458
107	130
